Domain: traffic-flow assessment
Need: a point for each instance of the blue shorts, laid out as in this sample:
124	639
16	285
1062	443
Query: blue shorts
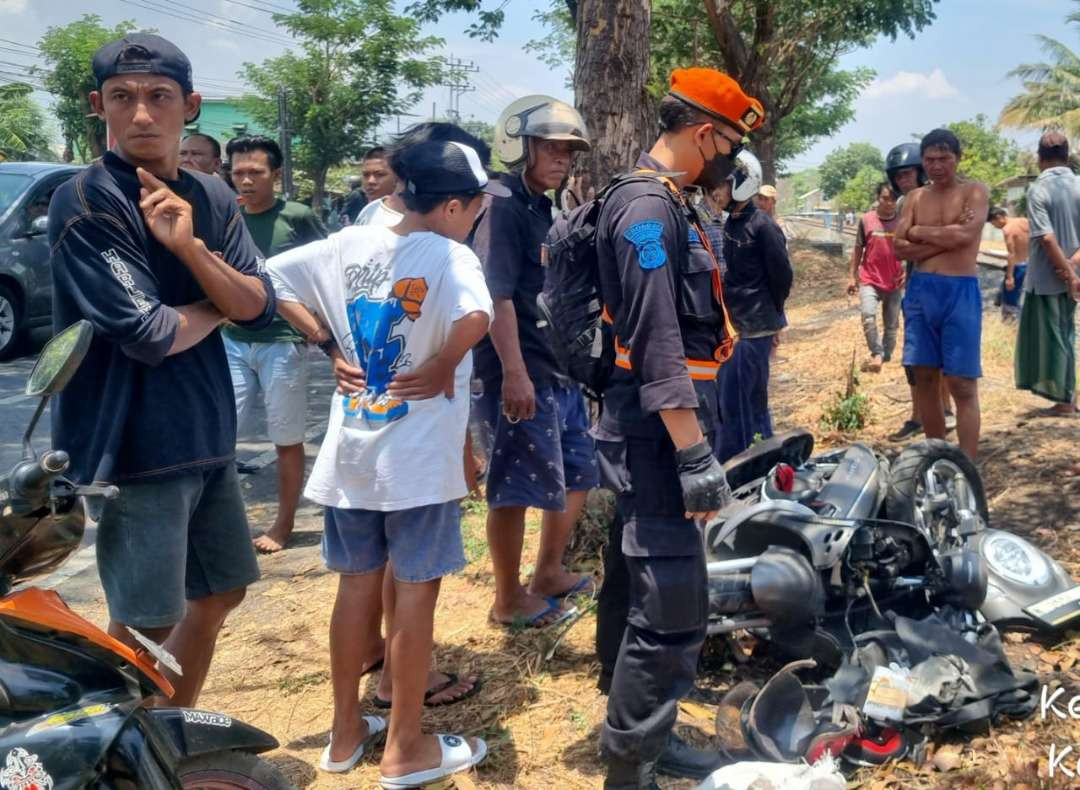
1012	298
423	543
533	463
943	324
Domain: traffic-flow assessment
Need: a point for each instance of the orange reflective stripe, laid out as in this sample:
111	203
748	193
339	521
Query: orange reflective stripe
699	369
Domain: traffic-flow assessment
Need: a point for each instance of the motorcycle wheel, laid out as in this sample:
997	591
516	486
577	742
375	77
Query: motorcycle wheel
933	485
230	771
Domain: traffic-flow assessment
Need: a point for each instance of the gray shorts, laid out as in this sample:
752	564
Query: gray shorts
424	543
163	542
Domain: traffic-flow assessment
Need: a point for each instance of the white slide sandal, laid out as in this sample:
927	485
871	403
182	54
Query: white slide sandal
376	726
457	756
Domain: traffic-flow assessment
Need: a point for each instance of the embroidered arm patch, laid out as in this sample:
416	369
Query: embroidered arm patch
645	236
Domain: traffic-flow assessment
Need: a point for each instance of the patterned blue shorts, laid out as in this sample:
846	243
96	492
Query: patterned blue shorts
533	463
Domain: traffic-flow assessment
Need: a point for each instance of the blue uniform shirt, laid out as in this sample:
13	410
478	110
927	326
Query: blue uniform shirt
131	412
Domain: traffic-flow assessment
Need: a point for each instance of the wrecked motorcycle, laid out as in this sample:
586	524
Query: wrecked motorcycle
814	549
72	698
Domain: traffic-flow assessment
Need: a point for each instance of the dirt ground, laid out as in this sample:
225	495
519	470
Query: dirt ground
540	717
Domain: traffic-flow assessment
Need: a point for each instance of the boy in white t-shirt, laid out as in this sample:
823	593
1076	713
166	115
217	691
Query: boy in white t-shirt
405	305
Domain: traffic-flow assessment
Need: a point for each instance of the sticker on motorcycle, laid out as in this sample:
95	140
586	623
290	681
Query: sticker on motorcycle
24	771
1057	608
67	717
208	719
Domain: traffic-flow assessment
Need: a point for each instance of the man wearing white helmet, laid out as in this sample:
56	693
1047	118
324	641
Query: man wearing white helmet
532	420
757	281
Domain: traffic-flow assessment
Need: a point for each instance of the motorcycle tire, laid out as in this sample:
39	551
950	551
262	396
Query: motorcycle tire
908	475
230	770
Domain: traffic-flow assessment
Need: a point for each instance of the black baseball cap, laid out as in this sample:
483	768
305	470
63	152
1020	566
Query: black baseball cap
142	53
438	167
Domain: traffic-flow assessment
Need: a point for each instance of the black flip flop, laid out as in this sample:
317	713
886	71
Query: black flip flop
451	680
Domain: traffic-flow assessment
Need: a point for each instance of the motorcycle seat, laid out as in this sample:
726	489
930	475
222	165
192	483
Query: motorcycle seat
791	447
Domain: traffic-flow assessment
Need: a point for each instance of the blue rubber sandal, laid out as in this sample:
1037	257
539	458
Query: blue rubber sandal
554	605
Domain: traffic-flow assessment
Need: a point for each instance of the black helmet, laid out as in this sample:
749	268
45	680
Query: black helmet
903	156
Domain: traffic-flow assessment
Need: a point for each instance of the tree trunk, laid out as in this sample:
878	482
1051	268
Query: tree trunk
609	84
95	137
763	144
319	177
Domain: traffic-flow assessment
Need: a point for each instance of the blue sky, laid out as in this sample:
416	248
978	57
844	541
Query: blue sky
951	71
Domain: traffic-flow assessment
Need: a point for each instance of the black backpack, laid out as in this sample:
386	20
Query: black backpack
570	305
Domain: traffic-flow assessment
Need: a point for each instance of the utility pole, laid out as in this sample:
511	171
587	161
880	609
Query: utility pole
456	79
285	139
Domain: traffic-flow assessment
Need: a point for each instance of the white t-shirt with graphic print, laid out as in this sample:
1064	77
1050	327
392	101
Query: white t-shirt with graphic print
389	302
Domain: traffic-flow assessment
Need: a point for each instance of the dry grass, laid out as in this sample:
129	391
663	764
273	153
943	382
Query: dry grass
541	718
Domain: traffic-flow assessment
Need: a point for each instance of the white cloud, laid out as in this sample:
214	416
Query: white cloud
12	6
933	85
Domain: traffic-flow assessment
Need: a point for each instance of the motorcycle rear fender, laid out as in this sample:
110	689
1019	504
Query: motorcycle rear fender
190	733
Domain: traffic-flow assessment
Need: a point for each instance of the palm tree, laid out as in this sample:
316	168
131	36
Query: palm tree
22	124
1052	89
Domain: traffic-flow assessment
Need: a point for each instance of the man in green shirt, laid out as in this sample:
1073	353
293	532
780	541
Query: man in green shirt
273	359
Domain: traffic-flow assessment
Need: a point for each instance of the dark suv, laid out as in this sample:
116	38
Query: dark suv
25	284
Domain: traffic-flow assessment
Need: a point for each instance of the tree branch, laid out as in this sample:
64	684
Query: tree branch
727	34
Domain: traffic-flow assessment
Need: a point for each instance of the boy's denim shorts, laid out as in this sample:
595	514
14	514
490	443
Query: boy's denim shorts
163	541
423	543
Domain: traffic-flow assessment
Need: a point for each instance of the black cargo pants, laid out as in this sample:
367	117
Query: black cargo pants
654	602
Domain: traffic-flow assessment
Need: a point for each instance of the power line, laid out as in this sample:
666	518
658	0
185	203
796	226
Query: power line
263	8
194	10
19	44
207	23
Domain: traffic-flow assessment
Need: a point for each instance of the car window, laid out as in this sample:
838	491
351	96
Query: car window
11	186
38	204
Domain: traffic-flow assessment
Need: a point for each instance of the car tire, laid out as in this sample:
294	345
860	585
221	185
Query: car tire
11	321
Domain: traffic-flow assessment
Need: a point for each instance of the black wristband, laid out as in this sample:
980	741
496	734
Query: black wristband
327	346
694	455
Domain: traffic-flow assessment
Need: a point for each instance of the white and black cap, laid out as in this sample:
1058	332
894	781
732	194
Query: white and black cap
446	168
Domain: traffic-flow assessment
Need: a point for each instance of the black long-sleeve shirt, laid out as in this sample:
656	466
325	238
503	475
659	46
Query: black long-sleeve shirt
758	275
131	411
657	281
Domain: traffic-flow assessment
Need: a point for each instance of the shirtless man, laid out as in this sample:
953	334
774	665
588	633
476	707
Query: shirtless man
1017	236
940	229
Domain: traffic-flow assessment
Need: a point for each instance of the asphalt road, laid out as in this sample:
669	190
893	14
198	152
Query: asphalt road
77	579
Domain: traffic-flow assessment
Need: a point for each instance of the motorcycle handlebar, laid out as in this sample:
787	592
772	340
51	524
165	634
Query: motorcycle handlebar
30	478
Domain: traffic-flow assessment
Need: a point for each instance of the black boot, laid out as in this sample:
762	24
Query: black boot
684	761
622	775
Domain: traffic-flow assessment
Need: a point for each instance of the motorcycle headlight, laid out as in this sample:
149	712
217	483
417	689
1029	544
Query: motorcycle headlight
1015	559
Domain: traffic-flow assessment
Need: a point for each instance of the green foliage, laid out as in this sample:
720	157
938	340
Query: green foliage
826	106
987	155
23	128
488	20
843	164
558	47
858	192
800	183
846	414
354	56
849	410
1051	97
68	51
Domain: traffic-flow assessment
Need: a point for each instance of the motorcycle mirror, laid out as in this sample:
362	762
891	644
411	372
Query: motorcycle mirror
59	360
55	366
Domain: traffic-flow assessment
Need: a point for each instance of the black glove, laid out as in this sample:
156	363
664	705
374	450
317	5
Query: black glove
704	485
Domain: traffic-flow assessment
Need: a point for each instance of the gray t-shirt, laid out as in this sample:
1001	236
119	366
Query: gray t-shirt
1053	206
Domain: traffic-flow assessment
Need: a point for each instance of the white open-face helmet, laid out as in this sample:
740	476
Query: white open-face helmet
746	177
543	117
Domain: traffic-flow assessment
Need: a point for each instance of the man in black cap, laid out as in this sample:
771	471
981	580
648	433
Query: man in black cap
157	258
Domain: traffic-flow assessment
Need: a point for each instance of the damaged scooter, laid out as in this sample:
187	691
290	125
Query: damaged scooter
73	699
813	549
